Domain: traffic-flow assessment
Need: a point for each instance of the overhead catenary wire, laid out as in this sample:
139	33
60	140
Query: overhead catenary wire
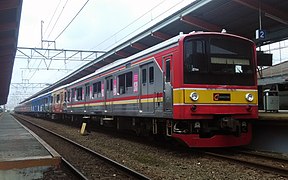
71	20
49	36
123	27
47	28
58	18
136	21
119	30
146	23
62	30
157	5
52	18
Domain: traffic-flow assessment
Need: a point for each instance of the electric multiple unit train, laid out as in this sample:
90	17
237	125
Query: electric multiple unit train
199	88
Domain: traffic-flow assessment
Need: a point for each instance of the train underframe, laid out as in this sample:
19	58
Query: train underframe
222	131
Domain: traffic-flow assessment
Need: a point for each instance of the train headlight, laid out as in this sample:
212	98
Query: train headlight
194	96
249	97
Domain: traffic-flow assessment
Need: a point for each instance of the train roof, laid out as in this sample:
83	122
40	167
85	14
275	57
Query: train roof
143	53
59	88
150	50
130	58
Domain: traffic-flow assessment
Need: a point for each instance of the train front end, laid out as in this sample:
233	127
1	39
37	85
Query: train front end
215	95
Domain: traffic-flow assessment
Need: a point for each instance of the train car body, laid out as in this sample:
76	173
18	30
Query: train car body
39	106
58	102
198	88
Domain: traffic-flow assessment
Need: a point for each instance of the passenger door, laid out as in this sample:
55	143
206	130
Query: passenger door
108	93
167	78
147	88
87	96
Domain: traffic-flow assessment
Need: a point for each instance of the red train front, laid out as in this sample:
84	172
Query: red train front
214	91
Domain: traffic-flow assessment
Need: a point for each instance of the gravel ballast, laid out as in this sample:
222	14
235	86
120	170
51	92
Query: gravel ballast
156	162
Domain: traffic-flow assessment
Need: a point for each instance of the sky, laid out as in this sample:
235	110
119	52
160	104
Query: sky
100	25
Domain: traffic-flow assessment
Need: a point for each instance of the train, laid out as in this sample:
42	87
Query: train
198	88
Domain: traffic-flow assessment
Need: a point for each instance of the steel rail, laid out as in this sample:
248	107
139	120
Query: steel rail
110	161
74	170
268	157
259	166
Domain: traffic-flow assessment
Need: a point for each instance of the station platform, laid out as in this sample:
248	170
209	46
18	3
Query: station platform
23	154
269	132
281	115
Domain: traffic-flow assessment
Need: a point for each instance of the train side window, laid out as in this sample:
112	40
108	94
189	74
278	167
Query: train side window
73	94
121	79
61	97
79	94
65	96
111	84
68	96
128	79
168	78
125	83
151	74
144	76
107	85
58	98
96	89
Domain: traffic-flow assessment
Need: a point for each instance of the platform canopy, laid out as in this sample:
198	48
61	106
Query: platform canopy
10	12
241	17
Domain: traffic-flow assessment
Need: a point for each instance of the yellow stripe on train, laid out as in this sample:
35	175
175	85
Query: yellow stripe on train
214	96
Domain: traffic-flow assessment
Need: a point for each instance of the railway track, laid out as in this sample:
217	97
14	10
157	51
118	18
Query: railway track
72	169
88	163
263	162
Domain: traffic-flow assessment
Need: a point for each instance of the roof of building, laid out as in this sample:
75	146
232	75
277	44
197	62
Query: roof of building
10	13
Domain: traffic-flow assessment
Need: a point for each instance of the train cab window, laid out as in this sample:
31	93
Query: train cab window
125	83
168	78
227	59
79	94
96	90
65	96
195	56
144	76
51	100
151	74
